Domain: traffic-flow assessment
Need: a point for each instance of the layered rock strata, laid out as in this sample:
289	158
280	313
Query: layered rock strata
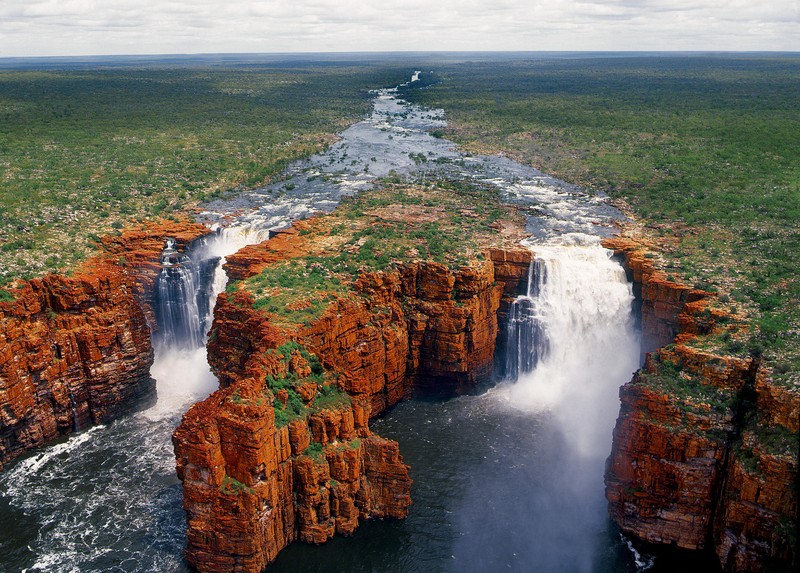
416	323
705	446
253	485
75	351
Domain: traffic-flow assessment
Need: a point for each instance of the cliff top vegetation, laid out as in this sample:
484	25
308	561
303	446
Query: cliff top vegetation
449	222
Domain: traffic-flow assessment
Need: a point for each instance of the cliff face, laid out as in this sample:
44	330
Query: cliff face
252	485
421	324
75	351
705	446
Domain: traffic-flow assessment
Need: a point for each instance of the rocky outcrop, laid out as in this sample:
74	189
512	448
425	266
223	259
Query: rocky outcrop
757	520
422	324
705	446
253	485
75	351
662	301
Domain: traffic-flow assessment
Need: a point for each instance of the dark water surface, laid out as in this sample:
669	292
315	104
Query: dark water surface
478	468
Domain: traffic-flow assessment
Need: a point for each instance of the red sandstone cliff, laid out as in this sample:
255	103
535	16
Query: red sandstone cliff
75	351
700	458
250	486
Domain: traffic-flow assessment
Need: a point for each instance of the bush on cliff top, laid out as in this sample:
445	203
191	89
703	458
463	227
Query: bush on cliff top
85	151
449	222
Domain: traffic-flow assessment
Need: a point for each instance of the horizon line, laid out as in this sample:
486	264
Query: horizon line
393	52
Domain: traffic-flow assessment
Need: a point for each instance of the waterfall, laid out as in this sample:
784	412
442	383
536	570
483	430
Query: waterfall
178	314
189	283
186	292
571	344
526	333
572	341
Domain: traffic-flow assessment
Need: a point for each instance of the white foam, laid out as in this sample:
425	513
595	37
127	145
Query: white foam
26	469
585	307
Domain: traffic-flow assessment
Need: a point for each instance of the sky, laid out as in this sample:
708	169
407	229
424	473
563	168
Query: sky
103	27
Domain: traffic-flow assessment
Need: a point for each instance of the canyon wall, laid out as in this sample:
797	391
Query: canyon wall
75	350
705	446
421	324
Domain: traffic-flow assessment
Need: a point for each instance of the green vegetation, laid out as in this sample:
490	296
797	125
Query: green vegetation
233	486
704	149
327	396
449	222
777	440
237	398
314	450
295	291
747	457
86	152
331	398
294	409
686	390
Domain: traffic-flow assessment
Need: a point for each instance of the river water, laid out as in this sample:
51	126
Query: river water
507	480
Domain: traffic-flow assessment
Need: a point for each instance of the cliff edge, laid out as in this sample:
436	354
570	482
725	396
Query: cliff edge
75	350
705	447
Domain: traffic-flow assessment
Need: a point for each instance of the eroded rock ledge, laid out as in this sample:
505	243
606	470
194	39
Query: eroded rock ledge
284	451
75	350
705	446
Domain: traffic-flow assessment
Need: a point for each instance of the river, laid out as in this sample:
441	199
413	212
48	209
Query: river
510	479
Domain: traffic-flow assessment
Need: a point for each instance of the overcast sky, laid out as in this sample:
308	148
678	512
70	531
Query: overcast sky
85	27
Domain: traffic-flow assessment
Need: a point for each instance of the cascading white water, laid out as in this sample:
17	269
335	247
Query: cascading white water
573	343
526	334
181	365
179	317
574	340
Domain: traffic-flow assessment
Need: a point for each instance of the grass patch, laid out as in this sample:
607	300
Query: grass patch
330	397
449	222
685	389
294	409
315	450
231	486
777	441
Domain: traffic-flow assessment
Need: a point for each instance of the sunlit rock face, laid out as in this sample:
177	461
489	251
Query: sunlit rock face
690	470
75	351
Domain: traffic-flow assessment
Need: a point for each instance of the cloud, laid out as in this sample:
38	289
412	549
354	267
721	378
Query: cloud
75	27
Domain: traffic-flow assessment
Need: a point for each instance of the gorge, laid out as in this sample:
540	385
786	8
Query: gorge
288	448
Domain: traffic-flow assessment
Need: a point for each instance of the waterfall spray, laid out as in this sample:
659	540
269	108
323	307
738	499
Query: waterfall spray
571	344
572	341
